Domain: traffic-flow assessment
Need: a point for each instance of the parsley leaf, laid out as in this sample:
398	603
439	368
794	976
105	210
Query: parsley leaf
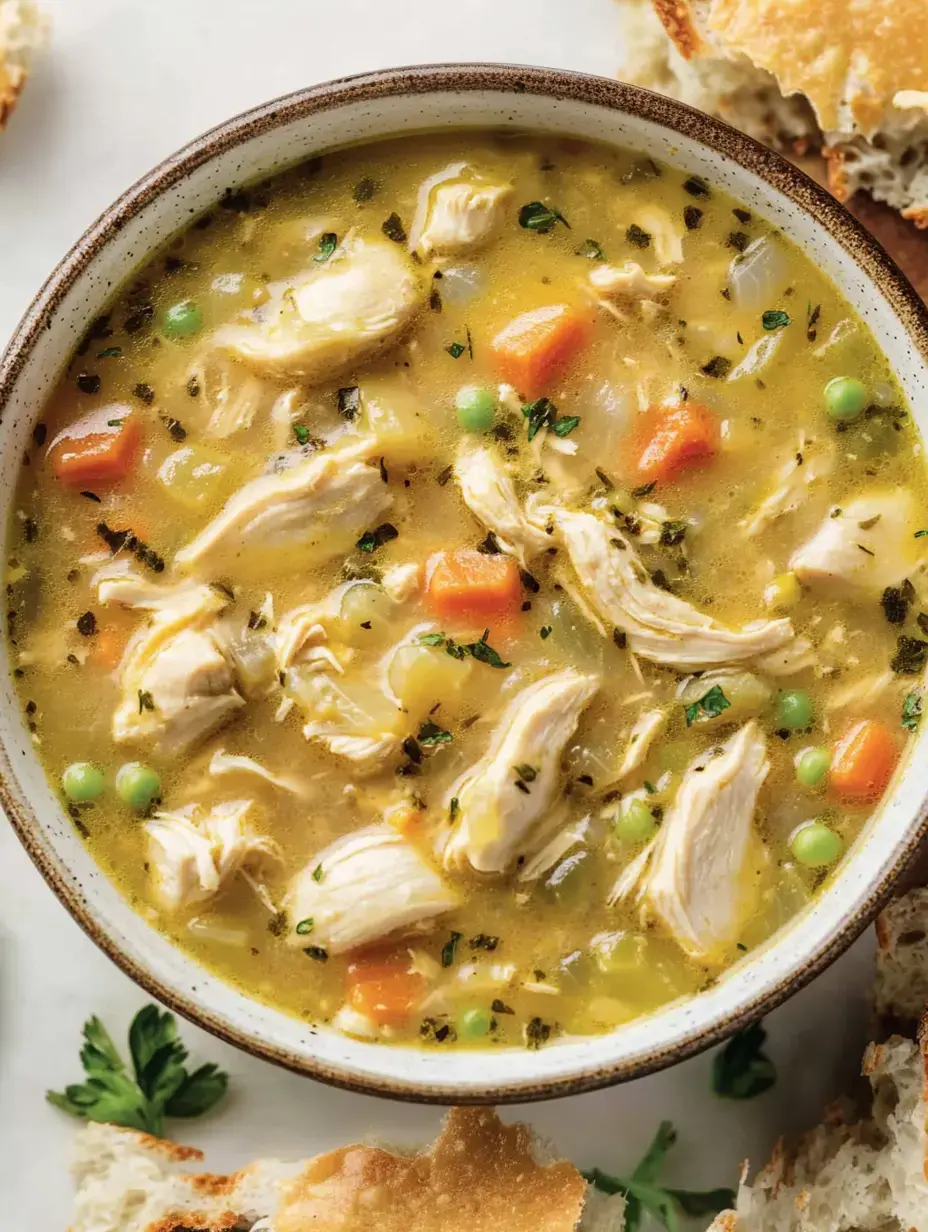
431	639
635	235
327	245
592	250
742	1070
645	1195
481	650
431	734
485	653
301	433
449	949
373	539
456	350
542	413
776	318
565	425
158	1086
536	216
910	656
912	711
710	704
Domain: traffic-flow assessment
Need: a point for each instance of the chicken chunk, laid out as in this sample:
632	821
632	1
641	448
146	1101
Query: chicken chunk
176	683
363	887
801	470
331	316
659	626
622	284
456	213
490	495
702	878
504	799
646	730
315	509
865	546
195	853
353	720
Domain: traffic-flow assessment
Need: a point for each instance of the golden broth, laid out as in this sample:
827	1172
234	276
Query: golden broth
519	960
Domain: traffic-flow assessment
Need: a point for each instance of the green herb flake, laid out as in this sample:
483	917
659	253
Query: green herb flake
158	1085
644	490
536	1033
146	701
373	539
430	735
910	656
454	808
304	927
449	949
564	425
536	216
431	639
921	534
912	711
673	533
545	632
327	245
742	1070
316	952
527	773
301	433
638	237
318	873
484	653
364	190
393	229
775	318
110	353
592	250
711	704
456	350
717	367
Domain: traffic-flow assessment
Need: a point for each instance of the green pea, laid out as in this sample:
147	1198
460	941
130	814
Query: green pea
636	823
794	709
137	785
475	407
812	766
845	397
82	782
816	845
475	1023
182	320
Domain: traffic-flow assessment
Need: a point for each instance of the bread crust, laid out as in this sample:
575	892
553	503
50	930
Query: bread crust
676	17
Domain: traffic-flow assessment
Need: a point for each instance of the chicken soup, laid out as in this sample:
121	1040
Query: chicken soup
468	588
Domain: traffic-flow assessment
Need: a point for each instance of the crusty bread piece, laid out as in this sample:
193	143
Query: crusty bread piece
23	30
864	1173
479	1176
852	75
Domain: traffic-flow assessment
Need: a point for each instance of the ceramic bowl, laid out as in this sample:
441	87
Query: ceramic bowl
256	145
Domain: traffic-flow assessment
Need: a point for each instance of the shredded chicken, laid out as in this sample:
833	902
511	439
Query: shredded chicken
317	508
361	888
618	284
496	819
195	853
702	881
659	626
355	721
331	316
456	214
177	686
222	763
403	582
490	495
666	236
650	725
804	468
865	545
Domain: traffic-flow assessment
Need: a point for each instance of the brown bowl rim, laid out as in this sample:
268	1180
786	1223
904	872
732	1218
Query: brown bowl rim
442	78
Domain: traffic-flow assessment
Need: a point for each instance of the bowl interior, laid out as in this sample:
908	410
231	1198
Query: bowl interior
253	147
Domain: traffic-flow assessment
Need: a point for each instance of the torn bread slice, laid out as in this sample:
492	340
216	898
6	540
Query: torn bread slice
854	76
861	1173
480	1175
23	31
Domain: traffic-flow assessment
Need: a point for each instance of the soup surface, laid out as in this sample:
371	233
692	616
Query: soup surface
468	587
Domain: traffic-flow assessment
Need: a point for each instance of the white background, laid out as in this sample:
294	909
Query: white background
125	83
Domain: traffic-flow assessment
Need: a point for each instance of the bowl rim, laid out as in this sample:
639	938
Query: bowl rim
558	84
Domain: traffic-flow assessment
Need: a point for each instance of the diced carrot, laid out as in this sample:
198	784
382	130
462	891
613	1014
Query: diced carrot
864	762
383	988
671	439
466	583
535	348
98	450
108	646
405	818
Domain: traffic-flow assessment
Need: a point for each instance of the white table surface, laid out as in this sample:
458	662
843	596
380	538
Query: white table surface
124	84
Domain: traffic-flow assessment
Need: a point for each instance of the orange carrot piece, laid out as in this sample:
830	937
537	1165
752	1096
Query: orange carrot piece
466	583
864	762
97	451
384	989
108	646
535	348
676	438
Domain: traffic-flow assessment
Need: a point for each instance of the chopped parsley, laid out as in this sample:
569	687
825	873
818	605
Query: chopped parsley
527	773
638	237
87	624
545	632
896	601
738	240
696	186
317	952
373	539
453	808
176	429
449	950
456	349
301	433
644	489
482	650
536	1033
812	316
592	250
742	1070
536	216
910	656
349	401
318	873
328	242
88	383
775	318
144	393
673	533
710	704
483	942
146	701
304	927
718	367
364	190
692	217
542	413
912	711
393	229
430	734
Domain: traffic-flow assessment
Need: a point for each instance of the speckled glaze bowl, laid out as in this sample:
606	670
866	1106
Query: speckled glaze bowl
254	146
